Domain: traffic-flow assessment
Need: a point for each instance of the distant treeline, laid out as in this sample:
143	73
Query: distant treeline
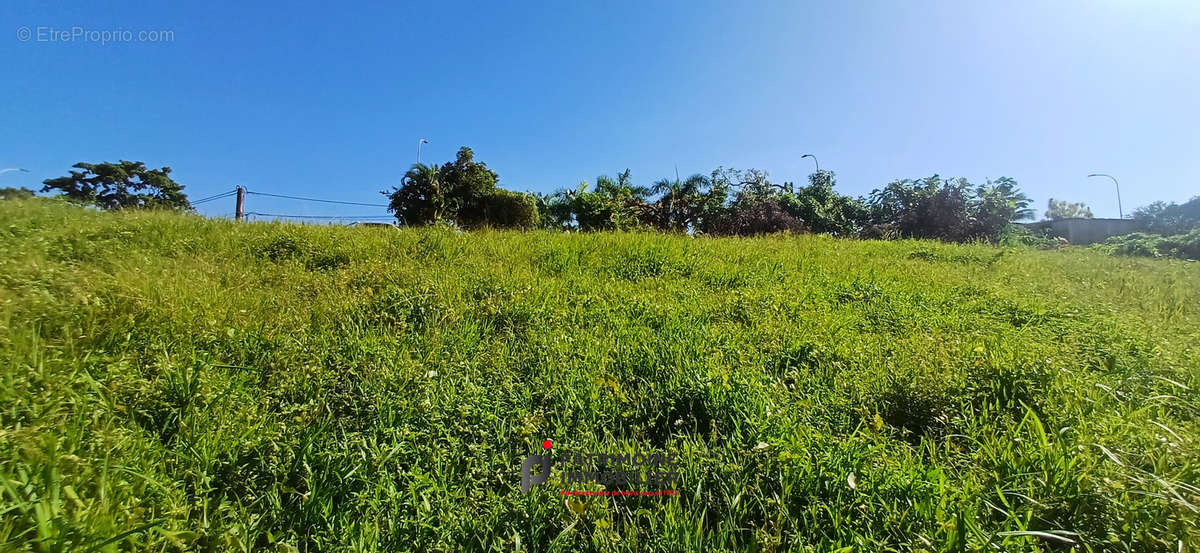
725	202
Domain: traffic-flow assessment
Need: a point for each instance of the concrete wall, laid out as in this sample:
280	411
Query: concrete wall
1088	231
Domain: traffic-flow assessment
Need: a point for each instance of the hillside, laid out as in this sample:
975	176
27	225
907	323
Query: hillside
176	383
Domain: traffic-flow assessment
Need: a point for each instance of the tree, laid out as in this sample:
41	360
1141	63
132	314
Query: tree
754	198
591	210
421	197
467	183
687	205
122	185
949	209
460	192
752	185
996	204
578	209
557	211
924	208
616	204
622	188
1062	209
817	206
823	210
1170	218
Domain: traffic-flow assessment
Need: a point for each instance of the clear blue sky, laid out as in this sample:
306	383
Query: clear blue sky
315	99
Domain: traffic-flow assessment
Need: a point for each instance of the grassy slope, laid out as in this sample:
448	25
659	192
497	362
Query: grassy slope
171	382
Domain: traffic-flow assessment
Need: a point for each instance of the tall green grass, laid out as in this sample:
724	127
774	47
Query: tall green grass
176	383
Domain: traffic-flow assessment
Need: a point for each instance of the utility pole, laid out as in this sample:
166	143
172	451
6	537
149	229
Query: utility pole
240	211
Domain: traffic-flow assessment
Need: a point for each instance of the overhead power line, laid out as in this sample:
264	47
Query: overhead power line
234	192
319	216
315	199
215	197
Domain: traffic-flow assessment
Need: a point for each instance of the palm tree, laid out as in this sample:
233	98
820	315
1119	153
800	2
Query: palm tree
625	183
621	189
421	198
678	198
430	177
626	203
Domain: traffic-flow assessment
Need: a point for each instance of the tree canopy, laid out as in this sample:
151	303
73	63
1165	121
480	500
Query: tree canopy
1170	218
947	209
462	192
121	185
1062	209
824	210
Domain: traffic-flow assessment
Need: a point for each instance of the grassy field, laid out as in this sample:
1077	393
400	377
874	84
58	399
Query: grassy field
176	383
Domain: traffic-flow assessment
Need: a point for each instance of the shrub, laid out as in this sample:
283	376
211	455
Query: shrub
1140	244
763	217
504	209
592	212
1016	235
9	193
1182	246
883	231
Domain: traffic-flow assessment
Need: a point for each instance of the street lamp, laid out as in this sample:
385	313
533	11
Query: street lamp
1120	211
419	143
814	161
3	171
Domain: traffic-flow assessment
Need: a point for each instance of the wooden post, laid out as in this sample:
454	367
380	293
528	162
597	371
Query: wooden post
240	212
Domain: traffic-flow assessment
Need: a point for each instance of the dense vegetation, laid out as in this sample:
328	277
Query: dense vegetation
465	193
1172	230
1165	218
727	202
462	192
1181	246
172	382
10	193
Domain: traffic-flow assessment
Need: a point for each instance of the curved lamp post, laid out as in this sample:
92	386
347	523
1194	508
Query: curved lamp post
1120	212
10	169
419	143
814	161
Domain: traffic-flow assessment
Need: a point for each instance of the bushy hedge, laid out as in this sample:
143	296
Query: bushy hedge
502	208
